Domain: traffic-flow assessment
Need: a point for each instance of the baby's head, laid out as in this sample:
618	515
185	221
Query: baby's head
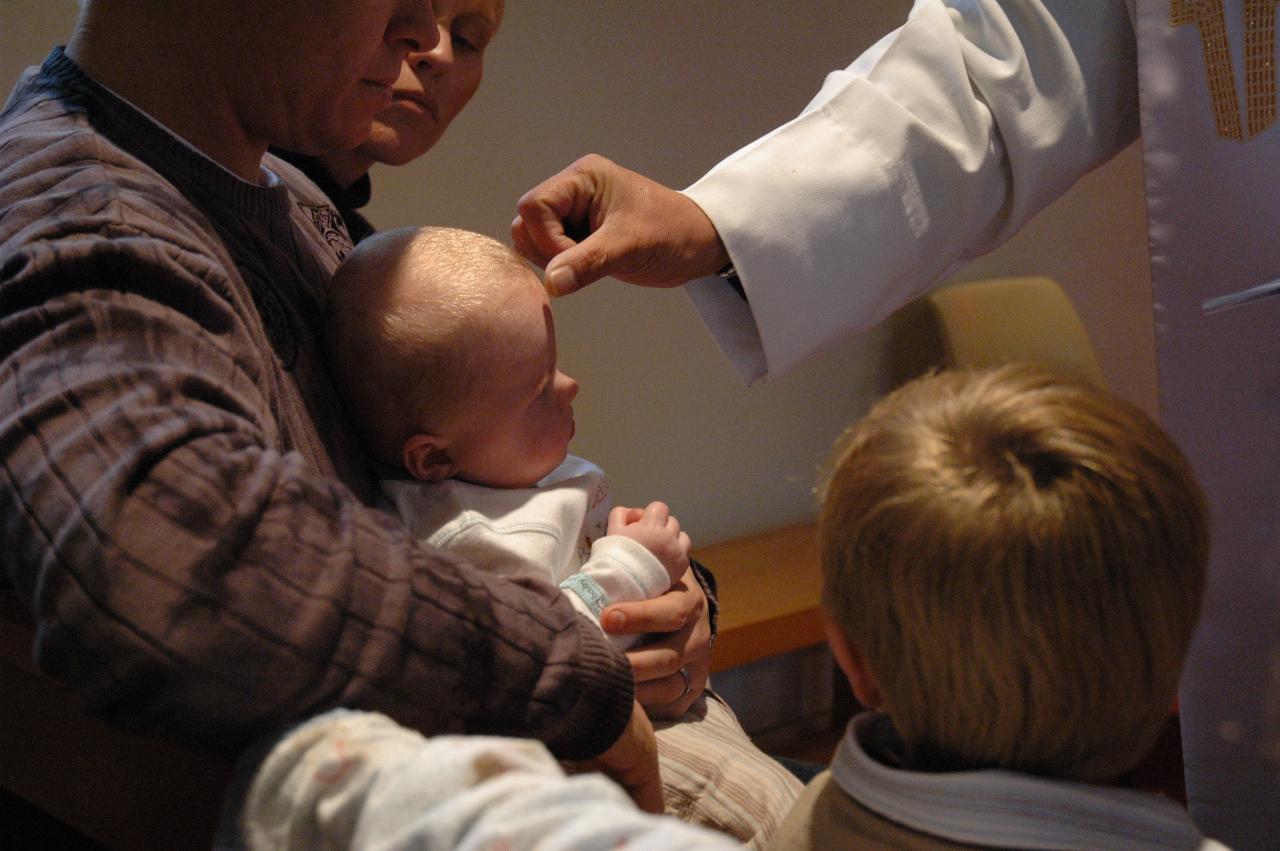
444	352
1013	564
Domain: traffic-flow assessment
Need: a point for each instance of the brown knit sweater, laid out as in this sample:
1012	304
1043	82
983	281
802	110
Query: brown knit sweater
183	505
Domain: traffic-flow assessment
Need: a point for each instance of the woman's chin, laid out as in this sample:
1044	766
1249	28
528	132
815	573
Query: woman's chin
397	146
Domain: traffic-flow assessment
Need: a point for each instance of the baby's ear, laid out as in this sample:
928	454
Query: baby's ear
427	458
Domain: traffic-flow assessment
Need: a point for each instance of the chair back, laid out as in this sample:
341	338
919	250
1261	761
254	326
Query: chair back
989	323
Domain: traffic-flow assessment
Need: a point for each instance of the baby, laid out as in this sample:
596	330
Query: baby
443	347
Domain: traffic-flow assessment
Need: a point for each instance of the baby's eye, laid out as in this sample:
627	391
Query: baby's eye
460	43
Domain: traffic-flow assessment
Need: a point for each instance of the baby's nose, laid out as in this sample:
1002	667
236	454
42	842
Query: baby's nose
568	387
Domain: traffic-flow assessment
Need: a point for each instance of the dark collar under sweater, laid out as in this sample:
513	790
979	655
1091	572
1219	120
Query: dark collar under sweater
348	200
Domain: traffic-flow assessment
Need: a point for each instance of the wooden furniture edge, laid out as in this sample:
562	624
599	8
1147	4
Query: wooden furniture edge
769	585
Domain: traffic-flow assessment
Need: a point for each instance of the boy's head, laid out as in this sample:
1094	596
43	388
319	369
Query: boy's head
1013	563
443	348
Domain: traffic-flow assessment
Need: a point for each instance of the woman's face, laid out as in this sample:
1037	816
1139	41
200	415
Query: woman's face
435	85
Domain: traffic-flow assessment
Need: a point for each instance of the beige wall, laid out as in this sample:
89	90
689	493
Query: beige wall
668	87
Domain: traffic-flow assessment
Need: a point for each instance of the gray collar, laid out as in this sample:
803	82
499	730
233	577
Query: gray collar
1005	809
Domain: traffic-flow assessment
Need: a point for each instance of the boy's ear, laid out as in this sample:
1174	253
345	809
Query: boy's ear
866	688
426	457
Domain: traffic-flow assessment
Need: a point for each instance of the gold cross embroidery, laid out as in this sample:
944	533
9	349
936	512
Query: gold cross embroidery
1260	64
1259	51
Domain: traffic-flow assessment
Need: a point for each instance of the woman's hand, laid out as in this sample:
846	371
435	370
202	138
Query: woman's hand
671	671
632	762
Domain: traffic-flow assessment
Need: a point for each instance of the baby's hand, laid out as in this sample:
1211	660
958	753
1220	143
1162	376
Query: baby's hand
657	531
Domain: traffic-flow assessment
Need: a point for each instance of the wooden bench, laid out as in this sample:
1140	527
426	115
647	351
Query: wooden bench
769	585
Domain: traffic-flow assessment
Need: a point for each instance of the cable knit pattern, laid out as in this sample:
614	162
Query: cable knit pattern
184	508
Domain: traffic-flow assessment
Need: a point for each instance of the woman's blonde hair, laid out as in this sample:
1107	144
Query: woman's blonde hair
1019	557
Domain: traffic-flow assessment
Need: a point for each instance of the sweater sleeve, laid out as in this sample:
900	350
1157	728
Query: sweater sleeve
934	146
187	573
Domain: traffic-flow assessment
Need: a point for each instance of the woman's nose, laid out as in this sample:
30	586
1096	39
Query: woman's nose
437	56
415	26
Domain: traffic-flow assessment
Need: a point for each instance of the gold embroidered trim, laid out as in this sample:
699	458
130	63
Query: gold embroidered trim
1208	16
1260	64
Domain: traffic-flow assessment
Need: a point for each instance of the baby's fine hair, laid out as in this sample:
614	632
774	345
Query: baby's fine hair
407	313
1019	557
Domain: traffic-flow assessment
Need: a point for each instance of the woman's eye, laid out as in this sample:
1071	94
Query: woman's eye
470	35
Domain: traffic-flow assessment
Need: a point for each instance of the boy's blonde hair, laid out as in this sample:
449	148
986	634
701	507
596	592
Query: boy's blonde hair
411	313
1019	557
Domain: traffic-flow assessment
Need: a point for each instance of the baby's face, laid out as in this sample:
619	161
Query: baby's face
519	417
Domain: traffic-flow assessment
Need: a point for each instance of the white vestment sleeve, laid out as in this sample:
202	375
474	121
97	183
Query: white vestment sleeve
933	147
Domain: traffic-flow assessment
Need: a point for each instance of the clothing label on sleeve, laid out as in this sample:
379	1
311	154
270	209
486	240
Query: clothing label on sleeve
590	592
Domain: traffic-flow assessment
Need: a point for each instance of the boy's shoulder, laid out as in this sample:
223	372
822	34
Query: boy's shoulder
825	816
864	802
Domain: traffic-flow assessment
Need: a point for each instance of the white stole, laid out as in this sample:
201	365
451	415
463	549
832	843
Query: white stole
1211	143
